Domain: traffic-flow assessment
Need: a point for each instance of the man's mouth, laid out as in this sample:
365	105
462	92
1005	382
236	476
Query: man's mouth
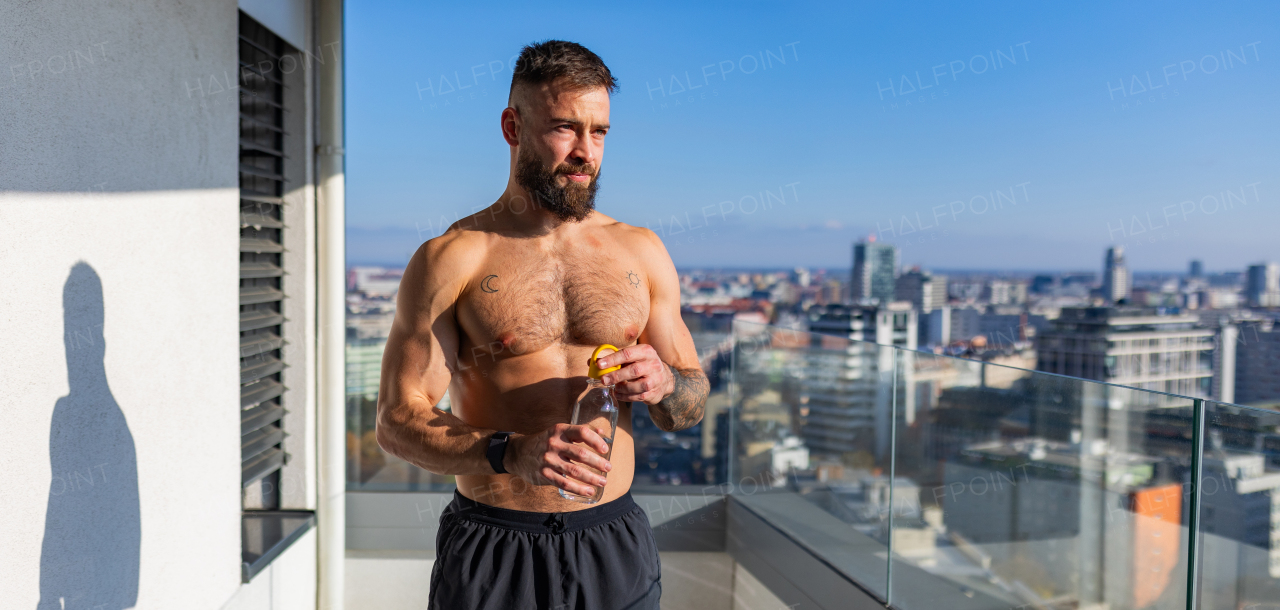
574	177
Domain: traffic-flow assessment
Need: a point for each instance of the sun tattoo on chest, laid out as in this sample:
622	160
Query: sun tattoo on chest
633	279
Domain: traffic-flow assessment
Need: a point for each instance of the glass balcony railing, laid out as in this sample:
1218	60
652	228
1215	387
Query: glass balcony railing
938	482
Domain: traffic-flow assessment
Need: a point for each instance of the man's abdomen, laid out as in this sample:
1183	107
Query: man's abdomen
510	491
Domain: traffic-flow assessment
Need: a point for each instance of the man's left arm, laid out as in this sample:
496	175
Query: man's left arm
662	369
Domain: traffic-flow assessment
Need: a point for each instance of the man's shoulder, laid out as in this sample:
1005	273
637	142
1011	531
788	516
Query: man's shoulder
452	247
642	238
447	258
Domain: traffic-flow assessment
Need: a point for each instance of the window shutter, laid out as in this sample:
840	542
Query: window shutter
261	251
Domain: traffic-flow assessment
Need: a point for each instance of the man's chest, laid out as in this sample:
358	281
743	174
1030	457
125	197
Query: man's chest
527	301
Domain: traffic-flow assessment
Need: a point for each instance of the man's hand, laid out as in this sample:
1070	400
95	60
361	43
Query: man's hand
644	377
555	458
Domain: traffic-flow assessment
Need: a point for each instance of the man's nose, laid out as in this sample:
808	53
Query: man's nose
583	152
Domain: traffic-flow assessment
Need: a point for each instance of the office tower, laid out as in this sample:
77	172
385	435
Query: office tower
997	292
1002	292
935	328
925	291
1017	293
847	391
801	277
1257	363
1262	285
965	291
1196	269
1130	346
875	269
1009	325
965	323
1116	282
1043	284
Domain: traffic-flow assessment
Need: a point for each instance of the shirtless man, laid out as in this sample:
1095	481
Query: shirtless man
504	311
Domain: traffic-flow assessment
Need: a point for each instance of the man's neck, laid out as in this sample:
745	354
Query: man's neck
523	211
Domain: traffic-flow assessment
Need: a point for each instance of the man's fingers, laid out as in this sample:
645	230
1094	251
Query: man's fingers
580	473
624	374
639	386
584	434
583	455
625	355
638	370
567	484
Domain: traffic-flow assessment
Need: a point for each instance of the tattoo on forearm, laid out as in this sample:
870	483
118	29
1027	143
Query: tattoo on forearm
683	407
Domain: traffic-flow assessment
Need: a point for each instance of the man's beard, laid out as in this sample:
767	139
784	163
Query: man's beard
573	201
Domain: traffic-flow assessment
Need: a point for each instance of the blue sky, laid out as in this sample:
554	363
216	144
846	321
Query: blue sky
983	135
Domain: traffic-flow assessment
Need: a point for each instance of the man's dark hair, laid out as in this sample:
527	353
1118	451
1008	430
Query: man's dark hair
546	61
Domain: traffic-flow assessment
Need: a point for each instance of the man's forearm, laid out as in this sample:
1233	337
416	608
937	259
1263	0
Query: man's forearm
683	407
439	442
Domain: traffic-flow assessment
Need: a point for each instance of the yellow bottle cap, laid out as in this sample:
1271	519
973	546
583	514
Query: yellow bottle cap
596	373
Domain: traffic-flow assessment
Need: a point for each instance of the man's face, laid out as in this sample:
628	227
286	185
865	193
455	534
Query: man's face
561	145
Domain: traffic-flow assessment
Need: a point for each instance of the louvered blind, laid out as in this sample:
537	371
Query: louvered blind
261	251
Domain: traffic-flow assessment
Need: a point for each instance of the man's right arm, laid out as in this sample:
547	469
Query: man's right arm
421	353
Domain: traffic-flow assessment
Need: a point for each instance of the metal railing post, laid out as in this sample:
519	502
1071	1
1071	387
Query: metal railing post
1193	520
893	475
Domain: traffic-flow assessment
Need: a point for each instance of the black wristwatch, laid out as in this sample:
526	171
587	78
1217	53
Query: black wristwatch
497	449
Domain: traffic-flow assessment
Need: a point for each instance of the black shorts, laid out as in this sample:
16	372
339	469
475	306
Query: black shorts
599	558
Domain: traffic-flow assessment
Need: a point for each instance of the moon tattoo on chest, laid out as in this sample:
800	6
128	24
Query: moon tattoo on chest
486	284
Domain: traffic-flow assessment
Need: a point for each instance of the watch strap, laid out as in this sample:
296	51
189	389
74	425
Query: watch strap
497	450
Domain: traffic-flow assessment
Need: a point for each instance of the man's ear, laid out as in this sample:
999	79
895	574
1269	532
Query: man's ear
511	125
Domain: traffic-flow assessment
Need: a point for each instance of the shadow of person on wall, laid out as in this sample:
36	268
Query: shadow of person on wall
92	528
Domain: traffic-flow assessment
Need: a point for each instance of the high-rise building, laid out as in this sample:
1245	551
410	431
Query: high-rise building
847	396
886	325
1196	269
965	323
997	292
1017	293
1116	281
875	270
1130	346
1257	363
1004	292
1009	325
1043	284
1262	285
801	277
925	291
935	327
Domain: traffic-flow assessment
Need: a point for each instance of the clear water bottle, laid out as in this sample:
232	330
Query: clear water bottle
598	409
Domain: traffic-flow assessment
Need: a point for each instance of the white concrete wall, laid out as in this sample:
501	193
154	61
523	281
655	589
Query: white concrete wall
146	420
118	191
